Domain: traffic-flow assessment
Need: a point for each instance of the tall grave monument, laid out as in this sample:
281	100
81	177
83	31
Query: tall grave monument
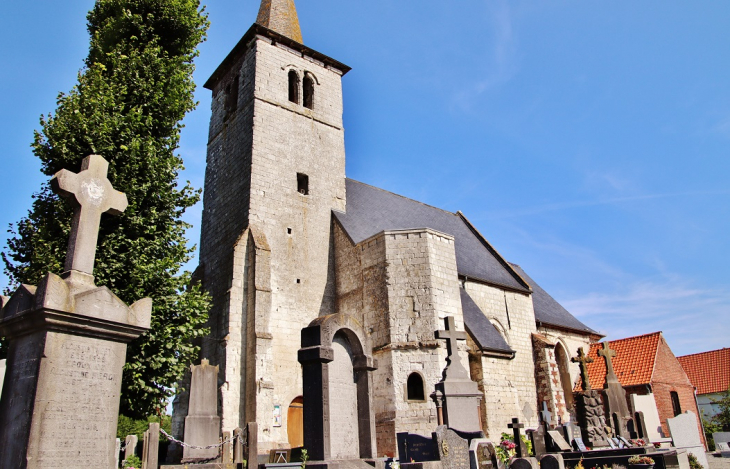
589	404
617	407
67	345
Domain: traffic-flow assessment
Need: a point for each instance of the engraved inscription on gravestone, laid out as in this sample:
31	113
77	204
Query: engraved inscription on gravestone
416	448
453	450
71	422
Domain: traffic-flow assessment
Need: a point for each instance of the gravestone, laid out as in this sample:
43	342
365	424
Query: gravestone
615	396
202	424
482	454
251	448
552	461
238	446
338	417
2	375
416	448
151	447
67	345
646	404
640	421
685	434
721	437
537	437
724	448
571	432
453	450
130	446
589	405
520	449
578	445
558	440
524	463
461	395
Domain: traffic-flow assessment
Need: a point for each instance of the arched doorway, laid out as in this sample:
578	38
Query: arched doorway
295	422
561	356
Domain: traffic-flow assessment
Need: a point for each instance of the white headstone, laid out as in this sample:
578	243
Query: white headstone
721	437
647	404
2	375
686	434
723	448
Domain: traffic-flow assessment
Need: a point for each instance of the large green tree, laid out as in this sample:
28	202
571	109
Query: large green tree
135	88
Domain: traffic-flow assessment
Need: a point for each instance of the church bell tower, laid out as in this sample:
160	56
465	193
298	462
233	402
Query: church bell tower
275	171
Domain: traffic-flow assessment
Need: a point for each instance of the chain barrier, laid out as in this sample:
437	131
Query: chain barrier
185	445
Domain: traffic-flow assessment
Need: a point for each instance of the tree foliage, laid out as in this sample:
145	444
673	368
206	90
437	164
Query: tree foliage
131	95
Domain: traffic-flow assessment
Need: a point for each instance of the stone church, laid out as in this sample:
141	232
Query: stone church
287	238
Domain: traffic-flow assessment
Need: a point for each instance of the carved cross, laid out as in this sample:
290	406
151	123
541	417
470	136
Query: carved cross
584	360
515	426
608	354
451	335
91	194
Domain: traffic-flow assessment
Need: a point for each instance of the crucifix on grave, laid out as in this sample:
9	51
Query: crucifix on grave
460	395
60	328
520	450
608	354
584	360
91	194
454	368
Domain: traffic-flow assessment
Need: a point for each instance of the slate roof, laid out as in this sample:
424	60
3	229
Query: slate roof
709	372
550	312
633	363
486	336
371	210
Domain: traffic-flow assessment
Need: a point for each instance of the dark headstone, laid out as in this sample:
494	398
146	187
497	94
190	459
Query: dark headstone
482	454
552	461
520	449
615	396
453	449
558	440
416	448
524	463
537	437
579	445
336	378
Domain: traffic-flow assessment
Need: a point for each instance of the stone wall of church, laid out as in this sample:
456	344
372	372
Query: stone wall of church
259	147
508	385
406	285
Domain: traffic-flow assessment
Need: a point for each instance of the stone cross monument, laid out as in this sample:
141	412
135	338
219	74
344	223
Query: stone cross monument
461	395
67	346
615	396
584	360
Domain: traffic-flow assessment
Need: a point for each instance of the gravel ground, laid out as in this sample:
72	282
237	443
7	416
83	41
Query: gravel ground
717	462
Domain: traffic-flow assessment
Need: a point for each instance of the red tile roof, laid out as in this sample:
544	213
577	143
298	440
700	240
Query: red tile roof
633	363
709	372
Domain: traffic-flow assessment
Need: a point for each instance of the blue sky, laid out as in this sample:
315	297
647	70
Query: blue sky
588	141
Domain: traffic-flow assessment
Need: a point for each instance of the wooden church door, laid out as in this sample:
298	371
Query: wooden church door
295	422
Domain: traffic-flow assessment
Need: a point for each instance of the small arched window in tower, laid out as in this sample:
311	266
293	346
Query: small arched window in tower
302	183
293	87
415	388
308	92
675	403
232	97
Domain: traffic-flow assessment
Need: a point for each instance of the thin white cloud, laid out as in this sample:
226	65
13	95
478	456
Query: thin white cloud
693	319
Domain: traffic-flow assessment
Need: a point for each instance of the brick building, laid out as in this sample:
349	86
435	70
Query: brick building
287	238
709	372
646	365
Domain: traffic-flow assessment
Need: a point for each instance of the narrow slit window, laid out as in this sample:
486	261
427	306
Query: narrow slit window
676	407
293	87
415	388
302	184
308	92
232	97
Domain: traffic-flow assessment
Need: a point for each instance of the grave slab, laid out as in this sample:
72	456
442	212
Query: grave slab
482	454
647	405
686	435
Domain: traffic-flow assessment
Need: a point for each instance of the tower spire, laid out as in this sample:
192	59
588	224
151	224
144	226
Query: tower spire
280	16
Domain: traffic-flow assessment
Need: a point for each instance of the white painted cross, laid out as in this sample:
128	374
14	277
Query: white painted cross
91	194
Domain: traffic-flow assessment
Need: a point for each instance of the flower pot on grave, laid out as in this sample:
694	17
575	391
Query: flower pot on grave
641	466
